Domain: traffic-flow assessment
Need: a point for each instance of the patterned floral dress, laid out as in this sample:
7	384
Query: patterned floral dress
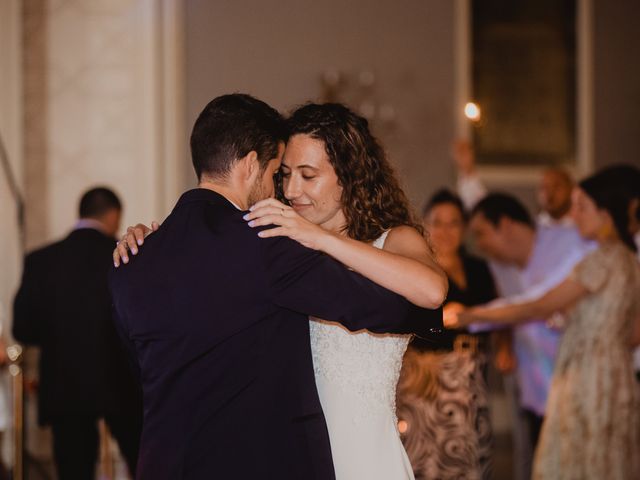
443	405
592	427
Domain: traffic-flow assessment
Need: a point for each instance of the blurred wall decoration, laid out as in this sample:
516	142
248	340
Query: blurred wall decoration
524	79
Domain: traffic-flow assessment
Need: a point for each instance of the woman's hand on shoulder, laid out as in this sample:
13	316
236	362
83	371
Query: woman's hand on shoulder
288	223
131	241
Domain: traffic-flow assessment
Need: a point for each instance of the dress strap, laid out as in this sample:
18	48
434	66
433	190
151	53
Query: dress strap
379	242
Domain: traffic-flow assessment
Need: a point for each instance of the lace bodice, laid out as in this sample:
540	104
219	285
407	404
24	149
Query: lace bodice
363	364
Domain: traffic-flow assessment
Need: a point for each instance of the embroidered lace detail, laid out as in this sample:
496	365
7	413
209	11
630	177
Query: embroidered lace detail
364	364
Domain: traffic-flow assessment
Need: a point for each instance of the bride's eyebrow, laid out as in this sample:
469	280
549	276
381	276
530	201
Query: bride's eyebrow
308	166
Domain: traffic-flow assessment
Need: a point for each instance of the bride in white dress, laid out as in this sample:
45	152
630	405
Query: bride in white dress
356	375
345	201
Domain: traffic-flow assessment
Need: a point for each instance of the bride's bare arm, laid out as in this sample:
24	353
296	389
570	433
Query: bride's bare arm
405	265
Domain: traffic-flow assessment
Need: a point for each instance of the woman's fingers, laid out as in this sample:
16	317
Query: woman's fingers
268	210
116	257
272	232
261	212
140	231
130	239
121	252
271	219
268	202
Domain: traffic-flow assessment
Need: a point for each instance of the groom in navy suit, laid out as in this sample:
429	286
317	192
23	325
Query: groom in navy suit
216	318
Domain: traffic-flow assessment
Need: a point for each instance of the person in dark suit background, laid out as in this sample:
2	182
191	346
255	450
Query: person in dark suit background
63	306
216	319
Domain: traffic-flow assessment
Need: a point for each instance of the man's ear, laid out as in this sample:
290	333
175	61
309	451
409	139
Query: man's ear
250	165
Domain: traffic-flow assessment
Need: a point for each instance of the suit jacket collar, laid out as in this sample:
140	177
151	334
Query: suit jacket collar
88	232
204	195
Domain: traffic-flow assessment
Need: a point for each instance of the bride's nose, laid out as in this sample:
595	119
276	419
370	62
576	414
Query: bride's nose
292	187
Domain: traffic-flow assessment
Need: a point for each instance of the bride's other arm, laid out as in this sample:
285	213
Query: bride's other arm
405	266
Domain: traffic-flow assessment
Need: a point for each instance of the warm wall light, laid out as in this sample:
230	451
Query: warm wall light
472	111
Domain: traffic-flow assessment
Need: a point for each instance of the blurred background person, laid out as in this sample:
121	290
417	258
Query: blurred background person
442	393
592	424
64	308
553	192
554	197
468	184
627	180
526	259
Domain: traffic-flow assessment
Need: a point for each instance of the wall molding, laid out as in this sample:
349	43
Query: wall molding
529	176
172	103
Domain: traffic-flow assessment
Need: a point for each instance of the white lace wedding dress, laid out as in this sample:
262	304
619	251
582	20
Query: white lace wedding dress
357	374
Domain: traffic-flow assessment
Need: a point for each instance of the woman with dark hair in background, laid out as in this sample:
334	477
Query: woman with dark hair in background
343	199
592	426
442	394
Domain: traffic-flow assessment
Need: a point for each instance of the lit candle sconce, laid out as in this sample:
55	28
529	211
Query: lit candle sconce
472	112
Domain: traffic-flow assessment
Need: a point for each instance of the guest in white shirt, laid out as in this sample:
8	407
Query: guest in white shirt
468	184
553	192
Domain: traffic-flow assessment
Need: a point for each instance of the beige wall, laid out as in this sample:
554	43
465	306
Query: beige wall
279	54
11	133
92	109
97	108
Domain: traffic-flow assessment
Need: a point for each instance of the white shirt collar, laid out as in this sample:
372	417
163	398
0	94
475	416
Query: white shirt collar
89	223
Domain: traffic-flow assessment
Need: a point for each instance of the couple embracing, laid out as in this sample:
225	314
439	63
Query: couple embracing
268	342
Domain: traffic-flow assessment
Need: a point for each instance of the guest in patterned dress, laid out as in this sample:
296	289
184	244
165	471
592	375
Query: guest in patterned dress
442	396
592	426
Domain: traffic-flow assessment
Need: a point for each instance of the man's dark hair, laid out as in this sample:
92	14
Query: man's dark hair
98	201
497	205
230	127
445	196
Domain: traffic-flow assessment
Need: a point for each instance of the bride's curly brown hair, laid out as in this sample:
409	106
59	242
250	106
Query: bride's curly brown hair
372	200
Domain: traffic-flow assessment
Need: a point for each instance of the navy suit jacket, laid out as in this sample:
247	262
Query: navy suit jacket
216	320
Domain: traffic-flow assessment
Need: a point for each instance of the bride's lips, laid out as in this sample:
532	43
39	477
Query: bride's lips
300	206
